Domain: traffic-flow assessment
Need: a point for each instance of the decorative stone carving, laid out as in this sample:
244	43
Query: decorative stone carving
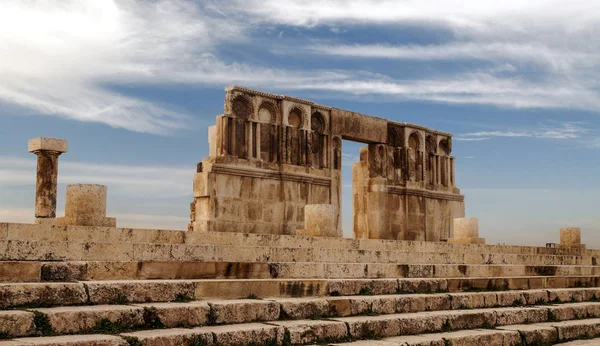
267	112
241	189
431	145
241	107
317	123
337	153
446	145
395	135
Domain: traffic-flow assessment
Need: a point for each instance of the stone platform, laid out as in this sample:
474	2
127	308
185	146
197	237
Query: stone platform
76	285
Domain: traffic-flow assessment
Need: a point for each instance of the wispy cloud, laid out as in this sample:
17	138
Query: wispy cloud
123	180
564	131
26	215
528	52
62	57
59	56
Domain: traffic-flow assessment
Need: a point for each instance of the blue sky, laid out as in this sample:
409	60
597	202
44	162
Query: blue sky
133	86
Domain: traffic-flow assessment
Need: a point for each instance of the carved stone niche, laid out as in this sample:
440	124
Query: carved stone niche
377	160
446	146
337	153
431	145
395	135
318	141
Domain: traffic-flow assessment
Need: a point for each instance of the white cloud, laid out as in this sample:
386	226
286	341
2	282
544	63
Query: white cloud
122	180
60	57
142	221
564	131
527	52
551	59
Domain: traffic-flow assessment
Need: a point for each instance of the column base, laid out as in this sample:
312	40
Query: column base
45	221
87	221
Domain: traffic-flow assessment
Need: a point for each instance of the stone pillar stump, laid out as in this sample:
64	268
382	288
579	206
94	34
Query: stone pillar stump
320	221
86	206
47	151
466	231
570	238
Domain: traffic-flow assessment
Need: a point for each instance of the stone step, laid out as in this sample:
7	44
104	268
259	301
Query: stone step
45	233
501	326
34	271
15	295
549	333
46	250
238	334
115	318
70	340
459	338
591	342
507	321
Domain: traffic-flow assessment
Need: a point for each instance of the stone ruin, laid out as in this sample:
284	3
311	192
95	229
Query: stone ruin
273	156
85	203
78	280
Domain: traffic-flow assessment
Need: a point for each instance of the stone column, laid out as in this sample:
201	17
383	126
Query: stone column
466	231
47	151
570	238
452	171
438	170
86	206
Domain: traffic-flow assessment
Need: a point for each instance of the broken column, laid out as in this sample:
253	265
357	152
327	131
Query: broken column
86	206
47	151
570	238
466	231
320	221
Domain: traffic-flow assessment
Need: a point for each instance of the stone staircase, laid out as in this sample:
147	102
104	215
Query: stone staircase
108	286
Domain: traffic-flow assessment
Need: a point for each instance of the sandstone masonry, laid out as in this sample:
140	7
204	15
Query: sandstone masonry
271	155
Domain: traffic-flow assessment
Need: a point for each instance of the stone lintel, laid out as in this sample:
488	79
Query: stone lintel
49	144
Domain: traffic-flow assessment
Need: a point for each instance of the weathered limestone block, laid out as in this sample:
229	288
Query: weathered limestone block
192	314
457	338
37	294
76	340
138	291
78	319
174	336
244	310
535	334
466	231
303	308
306	332
19	271
47	151
64	271
570	238
86	206
260	334
16	323
320	221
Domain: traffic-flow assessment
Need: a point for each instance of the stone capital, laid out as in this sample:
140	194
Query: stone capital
45	144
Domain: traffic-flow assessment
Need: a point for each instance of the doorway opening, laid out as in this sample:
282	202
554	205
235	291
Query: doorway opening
350	155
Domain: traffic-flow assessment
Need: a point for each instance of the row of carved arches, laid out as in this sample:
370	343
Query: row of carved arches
258	134
435	157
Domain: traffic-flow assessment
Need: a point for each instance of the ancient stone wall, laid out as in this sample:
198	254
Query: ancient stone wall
270	155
